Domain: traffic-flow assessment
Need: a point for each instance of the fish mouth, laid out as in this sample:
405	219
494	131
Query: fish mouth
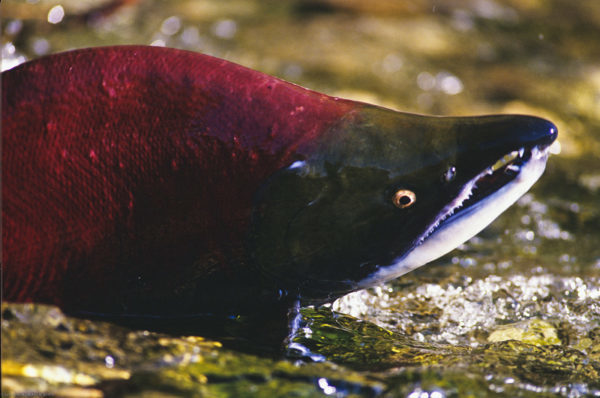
480	201
489	183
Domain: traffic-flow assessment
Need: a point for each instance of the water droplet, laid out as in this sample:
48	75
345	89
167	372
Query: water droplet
41	46
392	63
158	43
555	148
425	81
225	29
449	84
170	26
56	14
529	235
190	36
14	27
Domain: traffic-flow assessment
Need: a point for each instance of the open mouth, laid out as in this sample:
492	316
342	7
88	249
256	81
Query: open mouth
499	174
479	201
487	184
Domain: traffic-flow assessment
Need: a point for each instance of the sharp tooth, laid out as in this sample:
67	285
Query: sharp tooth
497	165
513	167
507	159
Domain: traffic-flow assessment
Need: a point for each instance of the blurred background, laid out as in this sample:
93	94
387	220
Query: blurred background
515	311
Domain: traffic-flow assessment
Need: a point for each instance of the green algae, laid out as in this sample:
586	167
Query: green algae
53	353
45	351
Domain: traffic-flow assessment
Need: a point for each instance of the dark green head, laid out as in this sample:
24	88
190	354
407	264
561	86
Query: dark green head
386	192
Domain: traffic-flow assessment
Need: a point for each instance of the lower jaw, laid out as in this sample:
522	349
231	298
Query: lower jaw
465	224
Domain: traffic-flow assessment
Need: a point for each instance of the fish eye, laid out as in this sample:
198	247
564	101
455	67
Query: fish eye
404	198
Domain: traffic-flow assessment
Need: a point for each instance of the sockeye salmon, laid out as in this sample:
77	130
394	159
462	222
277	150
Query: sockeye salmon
144	180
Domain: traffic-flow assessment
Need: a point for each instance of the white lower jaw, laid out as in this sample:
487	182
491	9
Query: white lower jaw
466	224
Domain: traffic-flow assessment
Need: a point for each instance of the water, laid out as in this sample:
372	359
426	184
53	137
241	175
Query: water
515	311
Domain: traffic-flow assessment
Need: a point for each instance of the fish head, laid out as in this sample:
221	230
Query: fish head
385	192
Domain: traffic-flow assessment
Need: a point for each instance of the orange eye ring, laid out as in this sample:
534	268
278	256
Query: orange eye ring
404	198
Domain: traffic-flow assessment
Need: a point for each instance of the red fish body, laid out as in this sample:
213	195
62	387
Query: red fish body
143	180
124	166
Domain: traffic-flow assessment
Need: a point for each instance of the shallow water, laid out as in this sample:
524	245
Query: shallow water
513	312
